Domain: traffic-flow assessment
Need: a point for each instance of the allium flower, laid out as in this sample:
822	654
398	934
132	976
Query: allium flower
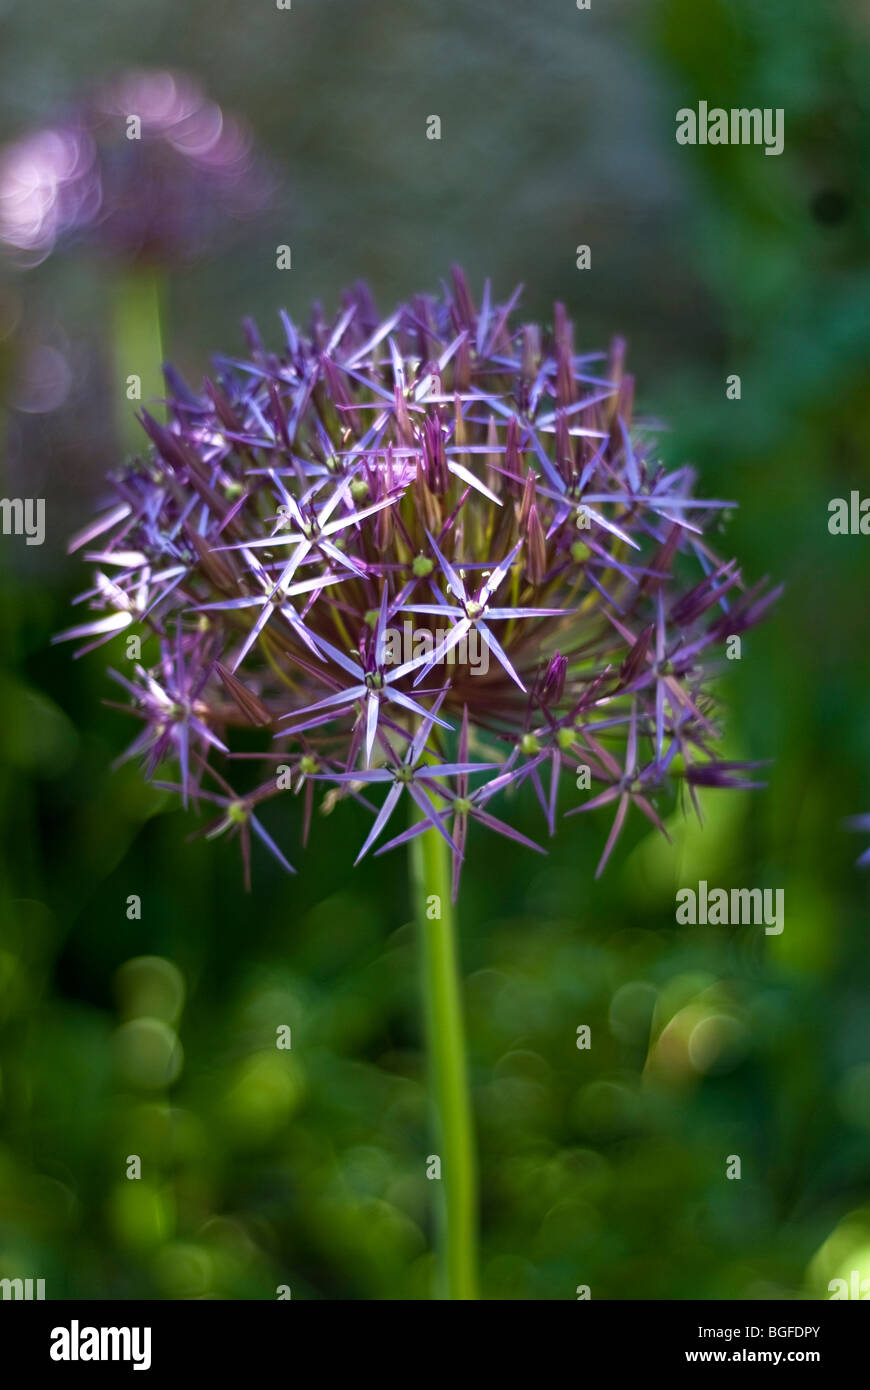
161	192
434	552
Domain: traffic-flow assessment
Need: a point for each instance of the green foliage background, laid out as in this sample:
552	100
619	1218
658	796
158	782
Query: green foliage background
307	1168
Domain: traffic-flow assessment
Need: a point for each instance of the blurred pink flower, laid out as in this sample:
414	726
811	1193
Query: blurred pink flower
146	168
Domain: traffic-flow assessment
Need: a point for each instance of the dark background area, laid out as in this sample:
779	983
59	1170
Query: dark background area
605	1167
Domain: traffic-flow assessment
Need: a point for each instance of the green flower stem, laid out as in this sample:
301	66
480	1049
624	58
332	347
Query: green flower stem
138	349
431	880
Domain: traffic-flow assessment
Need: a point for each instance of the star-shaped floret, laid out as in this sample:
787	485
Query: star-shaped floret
473	611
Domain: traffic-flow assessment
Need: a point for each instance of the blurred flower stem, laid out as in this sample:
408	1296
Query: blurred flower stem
448	1069
138	347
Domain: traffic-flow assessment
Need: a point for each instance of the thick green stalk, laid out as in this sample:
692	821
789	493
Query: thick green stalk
138	350
448	1069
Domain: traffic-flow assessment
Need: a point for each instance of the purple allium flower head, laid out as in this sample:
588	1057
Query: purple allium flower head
146	168
435	552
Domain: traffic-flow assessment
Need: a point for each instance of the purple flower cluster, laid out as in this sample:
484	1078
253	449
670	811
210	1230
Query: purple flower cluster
161	191
445	473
